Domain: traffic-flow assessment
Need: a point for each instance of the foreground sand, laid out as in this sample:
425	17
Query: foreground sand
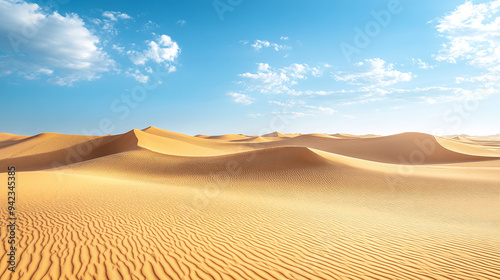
153	204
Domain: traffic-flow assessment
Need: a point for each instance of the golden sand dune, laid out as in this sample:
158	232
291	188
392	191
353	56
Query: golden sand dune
255	139
10	137
154	204
228	137
345	135
274	134
406	148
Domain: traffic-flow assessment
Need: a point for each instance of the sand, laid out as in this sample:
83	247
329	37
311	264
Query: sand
154	204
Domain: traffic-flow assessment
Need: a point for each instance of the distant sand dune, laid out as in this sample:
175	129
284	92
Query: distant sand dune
406	148
154	204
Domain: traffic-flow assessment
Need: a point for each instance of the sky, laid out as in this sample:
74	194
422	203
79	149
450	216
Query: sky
239	66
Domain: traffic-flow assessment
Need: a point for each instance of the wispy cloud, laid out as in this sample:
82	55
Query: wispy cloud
374	73
259	44
115	16
279	80
301	109
137	75
118	48
241	98
472	33
421	64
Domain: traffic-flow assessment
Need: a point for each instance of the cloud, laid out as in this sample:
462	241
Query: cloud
138	76
254	115
163	50
172	68
486	80
149	26
320	109
259	44
301	109
115	16
241	98
279	80
284	38
472	33
292	114
181	22
421	64
120	50
376	73
33	40
289	104
106	26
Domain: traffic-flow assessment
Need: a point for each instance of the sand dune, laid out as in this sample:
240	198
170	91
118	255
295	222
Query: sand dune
154	204
11	137
406	148
274	134
228	137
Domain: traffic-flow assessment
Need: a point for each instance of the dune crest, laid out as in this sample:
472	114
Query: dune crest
274	134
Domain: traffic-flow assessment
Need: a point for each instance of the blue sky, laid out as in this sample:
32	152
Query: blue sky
216	67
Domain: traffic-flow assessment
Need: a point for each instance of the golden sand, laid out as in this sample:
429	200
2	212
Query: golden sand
154	204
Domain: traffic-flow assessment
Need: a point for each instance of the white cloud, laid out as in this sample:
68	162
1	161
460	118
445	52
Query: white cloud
138	76
292	114
290	104
284	38
33	39
259	44
321	109
429	100
40	72
114	16
149	26
473	34
486	80
172	68
241	98
376	73
302	108
279	80
254	115
46	71
105	27
267	80
120	50
163	50
181	22
421	64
